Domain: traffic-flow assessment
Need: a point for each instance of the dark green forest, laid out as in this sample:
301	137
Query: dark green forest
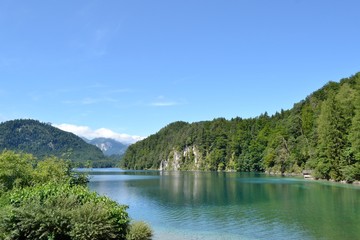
42	139
320	133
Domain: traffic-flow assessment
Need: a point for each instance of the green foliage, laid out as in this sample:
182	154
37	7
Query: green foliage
52	169
62	211
16	170
321	133
351	172
331	141
354	134
139	231
45	200
22	170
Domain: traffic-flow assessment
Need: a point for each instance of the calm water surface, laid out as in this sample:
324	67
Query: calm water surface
210	205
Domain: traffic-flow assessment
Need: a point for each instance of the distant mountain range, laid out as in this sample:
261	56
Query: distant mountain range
109	146
42	140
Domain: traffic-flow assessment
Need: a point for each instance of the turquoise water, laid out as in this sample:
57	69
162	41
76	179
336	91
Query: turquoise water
211	205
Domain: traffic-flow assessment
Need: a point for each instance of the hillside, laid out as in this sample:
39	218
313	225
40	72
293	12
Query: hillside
41	139
320	133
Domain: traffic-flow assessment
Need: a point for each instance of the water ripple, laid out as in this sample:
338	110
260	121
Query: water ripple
234	206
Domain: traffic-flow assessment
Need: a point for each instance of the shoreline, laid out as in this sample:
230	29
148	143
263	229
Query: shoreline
310	178
299	175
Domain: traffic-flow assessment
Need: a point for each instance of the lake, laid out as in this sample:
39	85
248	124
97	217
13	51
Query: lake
216	205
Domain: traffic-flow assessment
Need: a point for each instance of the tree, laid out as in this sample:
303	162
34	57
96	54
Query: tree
352	170
320	133
16	170
52	169
307	119
354	135
331	142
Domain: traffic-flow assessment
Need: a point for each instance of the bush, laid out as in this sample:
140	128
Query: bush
139	231
45	200
351	172
53	211
322	171
16	170
23	170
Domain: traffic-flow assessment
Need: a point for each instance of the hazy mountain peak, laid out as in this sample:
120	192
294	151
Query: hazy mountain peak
109	146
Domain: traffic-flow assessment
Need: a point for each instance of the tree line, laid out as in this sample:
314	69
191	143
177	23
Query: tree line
320	133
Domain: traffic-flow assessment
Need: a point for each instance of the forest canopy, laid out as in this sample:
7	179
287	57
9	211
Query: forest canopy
320	133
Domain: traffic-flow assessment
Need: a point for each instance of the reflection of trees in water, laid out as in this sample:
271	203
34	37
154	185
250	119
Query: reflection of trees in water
316	208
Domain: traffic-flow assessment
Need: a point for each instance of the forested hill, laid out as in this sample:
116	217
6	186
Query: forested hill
320	133
41	139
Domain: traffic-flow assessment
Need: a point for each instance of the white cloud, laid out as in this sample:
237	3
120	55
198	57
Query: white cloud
163	104
91	101
161	101
86	132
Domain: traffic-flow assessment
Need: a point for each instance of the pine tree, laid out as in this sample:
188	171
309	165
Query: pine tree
351	171
331	140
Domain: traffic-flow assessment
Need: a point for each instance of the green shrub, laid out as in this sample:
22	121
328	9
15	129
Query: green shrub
23	170
16	170
53	211
139	231
351	172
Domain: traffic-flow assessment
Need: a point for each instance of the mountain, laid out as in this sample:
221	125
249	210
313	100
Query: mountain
320	134
42	139
109	146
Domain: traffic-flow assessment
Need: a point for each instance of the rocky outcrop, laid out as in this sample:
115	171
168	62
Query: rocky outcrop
187	159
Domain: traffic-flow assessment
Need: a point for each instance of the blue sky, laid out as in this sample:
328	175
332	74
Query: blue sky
128	68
